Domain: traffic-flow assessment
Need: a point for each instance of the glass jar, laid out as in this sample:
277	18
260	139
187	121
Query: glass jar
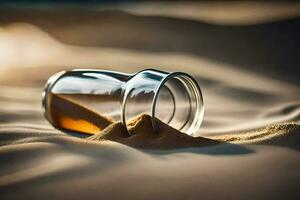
89	100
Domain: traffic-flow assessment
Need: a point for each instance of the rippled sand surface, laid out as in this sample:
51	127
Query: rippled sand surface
250	80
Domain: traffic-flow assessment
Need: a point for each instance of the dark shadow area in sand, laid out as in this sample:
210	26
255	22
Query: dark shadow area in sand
221	149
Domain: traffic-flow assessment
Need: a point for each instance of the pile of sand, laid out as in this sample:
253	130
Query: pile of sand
143	135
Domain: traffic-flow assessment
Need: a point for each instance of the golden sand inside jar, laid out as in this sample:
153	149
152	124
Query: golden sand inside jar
68	114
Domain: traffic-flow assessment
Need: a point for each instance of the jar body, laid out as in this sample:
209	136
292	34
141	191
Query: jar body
89	100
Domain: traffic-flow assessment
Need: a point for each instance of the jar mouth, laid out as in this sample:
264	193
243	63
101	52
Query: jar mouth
173	98
193	112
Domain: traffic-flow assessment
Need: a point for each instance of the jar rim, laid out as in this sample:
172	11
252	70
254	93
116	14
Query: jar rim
187	80
199	99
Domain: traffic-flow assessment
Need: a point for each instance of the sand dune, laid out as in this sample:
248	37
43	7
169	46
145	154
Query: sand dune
256	47
252	100
60	164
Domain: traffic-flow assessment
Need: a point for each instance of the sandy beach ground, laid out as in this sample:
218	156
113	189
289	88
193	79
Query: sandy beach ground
245	57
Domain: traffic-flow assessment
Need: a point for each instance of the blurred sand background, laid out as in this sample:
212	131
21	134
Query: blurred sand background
245	56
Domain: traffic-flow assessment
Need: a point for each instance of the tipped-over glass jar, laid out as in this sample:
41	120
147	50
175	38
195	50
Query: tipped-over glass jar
88	101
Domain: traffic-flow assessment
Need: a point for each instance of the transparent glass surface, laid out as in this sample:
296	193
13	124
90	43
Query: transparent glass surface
89	100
